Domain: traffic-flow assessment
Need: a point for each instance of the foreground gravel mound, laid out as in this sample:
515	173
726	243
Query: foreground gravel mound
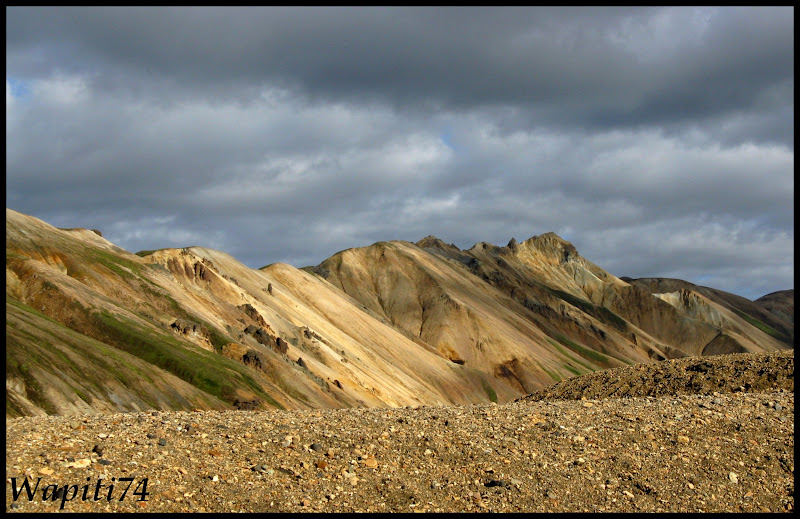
720	451
751	372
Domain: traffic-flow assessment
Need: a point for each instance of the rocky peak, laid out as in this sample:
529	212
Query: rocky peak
553	245
431	241
484	246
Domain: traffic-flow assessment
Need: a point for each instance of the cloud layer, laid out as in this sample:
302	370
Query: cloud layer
658	140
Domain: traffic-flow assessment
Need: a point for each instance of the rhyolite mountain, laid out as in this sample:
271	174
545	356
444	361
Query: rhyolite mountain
92	328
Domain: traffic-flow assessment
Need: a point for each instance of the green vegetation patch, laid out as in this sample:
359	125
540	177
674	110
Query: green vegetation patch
22	306
207	371
570	357
763	327
115	263
555	376
33	391
592	355
490	392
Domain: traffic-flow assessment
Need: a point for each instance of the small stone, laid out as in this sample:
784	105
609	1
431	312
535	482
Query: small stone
162	441
316	447
371	463
683	439
151	436
733	477
778	407
103	462
45	471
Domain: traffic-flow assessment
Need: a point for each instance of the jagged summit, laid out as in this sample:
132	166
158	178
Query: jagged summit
549	243
552	244
431	241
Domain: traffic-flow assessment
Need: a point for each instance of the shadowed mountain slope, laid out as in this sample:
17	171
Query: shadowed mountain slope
772	313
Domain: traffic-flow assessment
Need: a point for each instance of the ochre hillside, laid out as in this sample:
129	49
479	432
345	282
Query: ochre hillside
92	328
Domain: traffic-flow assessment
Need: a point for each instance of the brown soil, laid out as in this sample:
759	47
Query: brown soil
713	434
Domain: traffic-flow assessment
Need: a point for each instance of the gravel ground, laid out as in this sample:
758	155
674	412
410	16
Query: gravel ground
716	451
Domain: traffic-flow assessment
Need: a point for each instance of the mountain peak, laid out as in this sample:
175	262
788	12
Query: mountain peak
431	241
551	243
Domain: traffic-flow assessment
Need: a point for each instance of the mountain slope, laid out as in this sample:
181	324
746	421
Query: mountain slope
529	308
234	335
773	313
93	328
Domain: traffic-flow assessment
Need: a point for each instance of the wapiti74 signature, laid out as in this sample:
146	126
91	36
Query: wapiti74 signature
69	492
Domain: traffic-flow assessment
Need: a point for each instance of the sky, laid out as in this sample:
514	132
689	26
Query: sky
659	141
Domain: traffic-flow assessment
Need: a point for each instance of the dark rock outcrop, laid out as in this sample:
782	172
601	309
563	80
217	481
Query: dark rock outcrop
185	327
253	314
281	345
252	358
267	339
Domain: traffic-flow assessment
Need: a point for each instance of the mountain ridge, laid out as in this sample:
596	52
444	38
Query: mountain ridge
390	324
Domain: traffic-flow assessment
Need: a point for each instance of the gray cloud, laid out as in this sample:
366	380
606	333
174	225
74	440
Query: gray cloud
287	134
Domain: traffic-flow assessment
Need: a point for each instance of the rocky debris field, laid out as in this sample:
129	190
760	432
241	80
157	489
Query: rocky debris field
689	375
723	448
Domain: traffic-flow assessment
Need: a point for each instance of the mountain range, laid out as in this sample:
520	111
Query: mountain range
93	328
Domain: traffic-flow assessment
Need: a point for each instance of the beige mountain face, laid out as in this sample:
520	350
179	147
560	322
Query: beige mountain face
92	328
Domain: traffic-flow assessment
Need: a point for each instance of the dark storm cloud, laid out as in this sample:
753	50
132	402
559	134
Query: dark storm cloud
590	67
226	127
